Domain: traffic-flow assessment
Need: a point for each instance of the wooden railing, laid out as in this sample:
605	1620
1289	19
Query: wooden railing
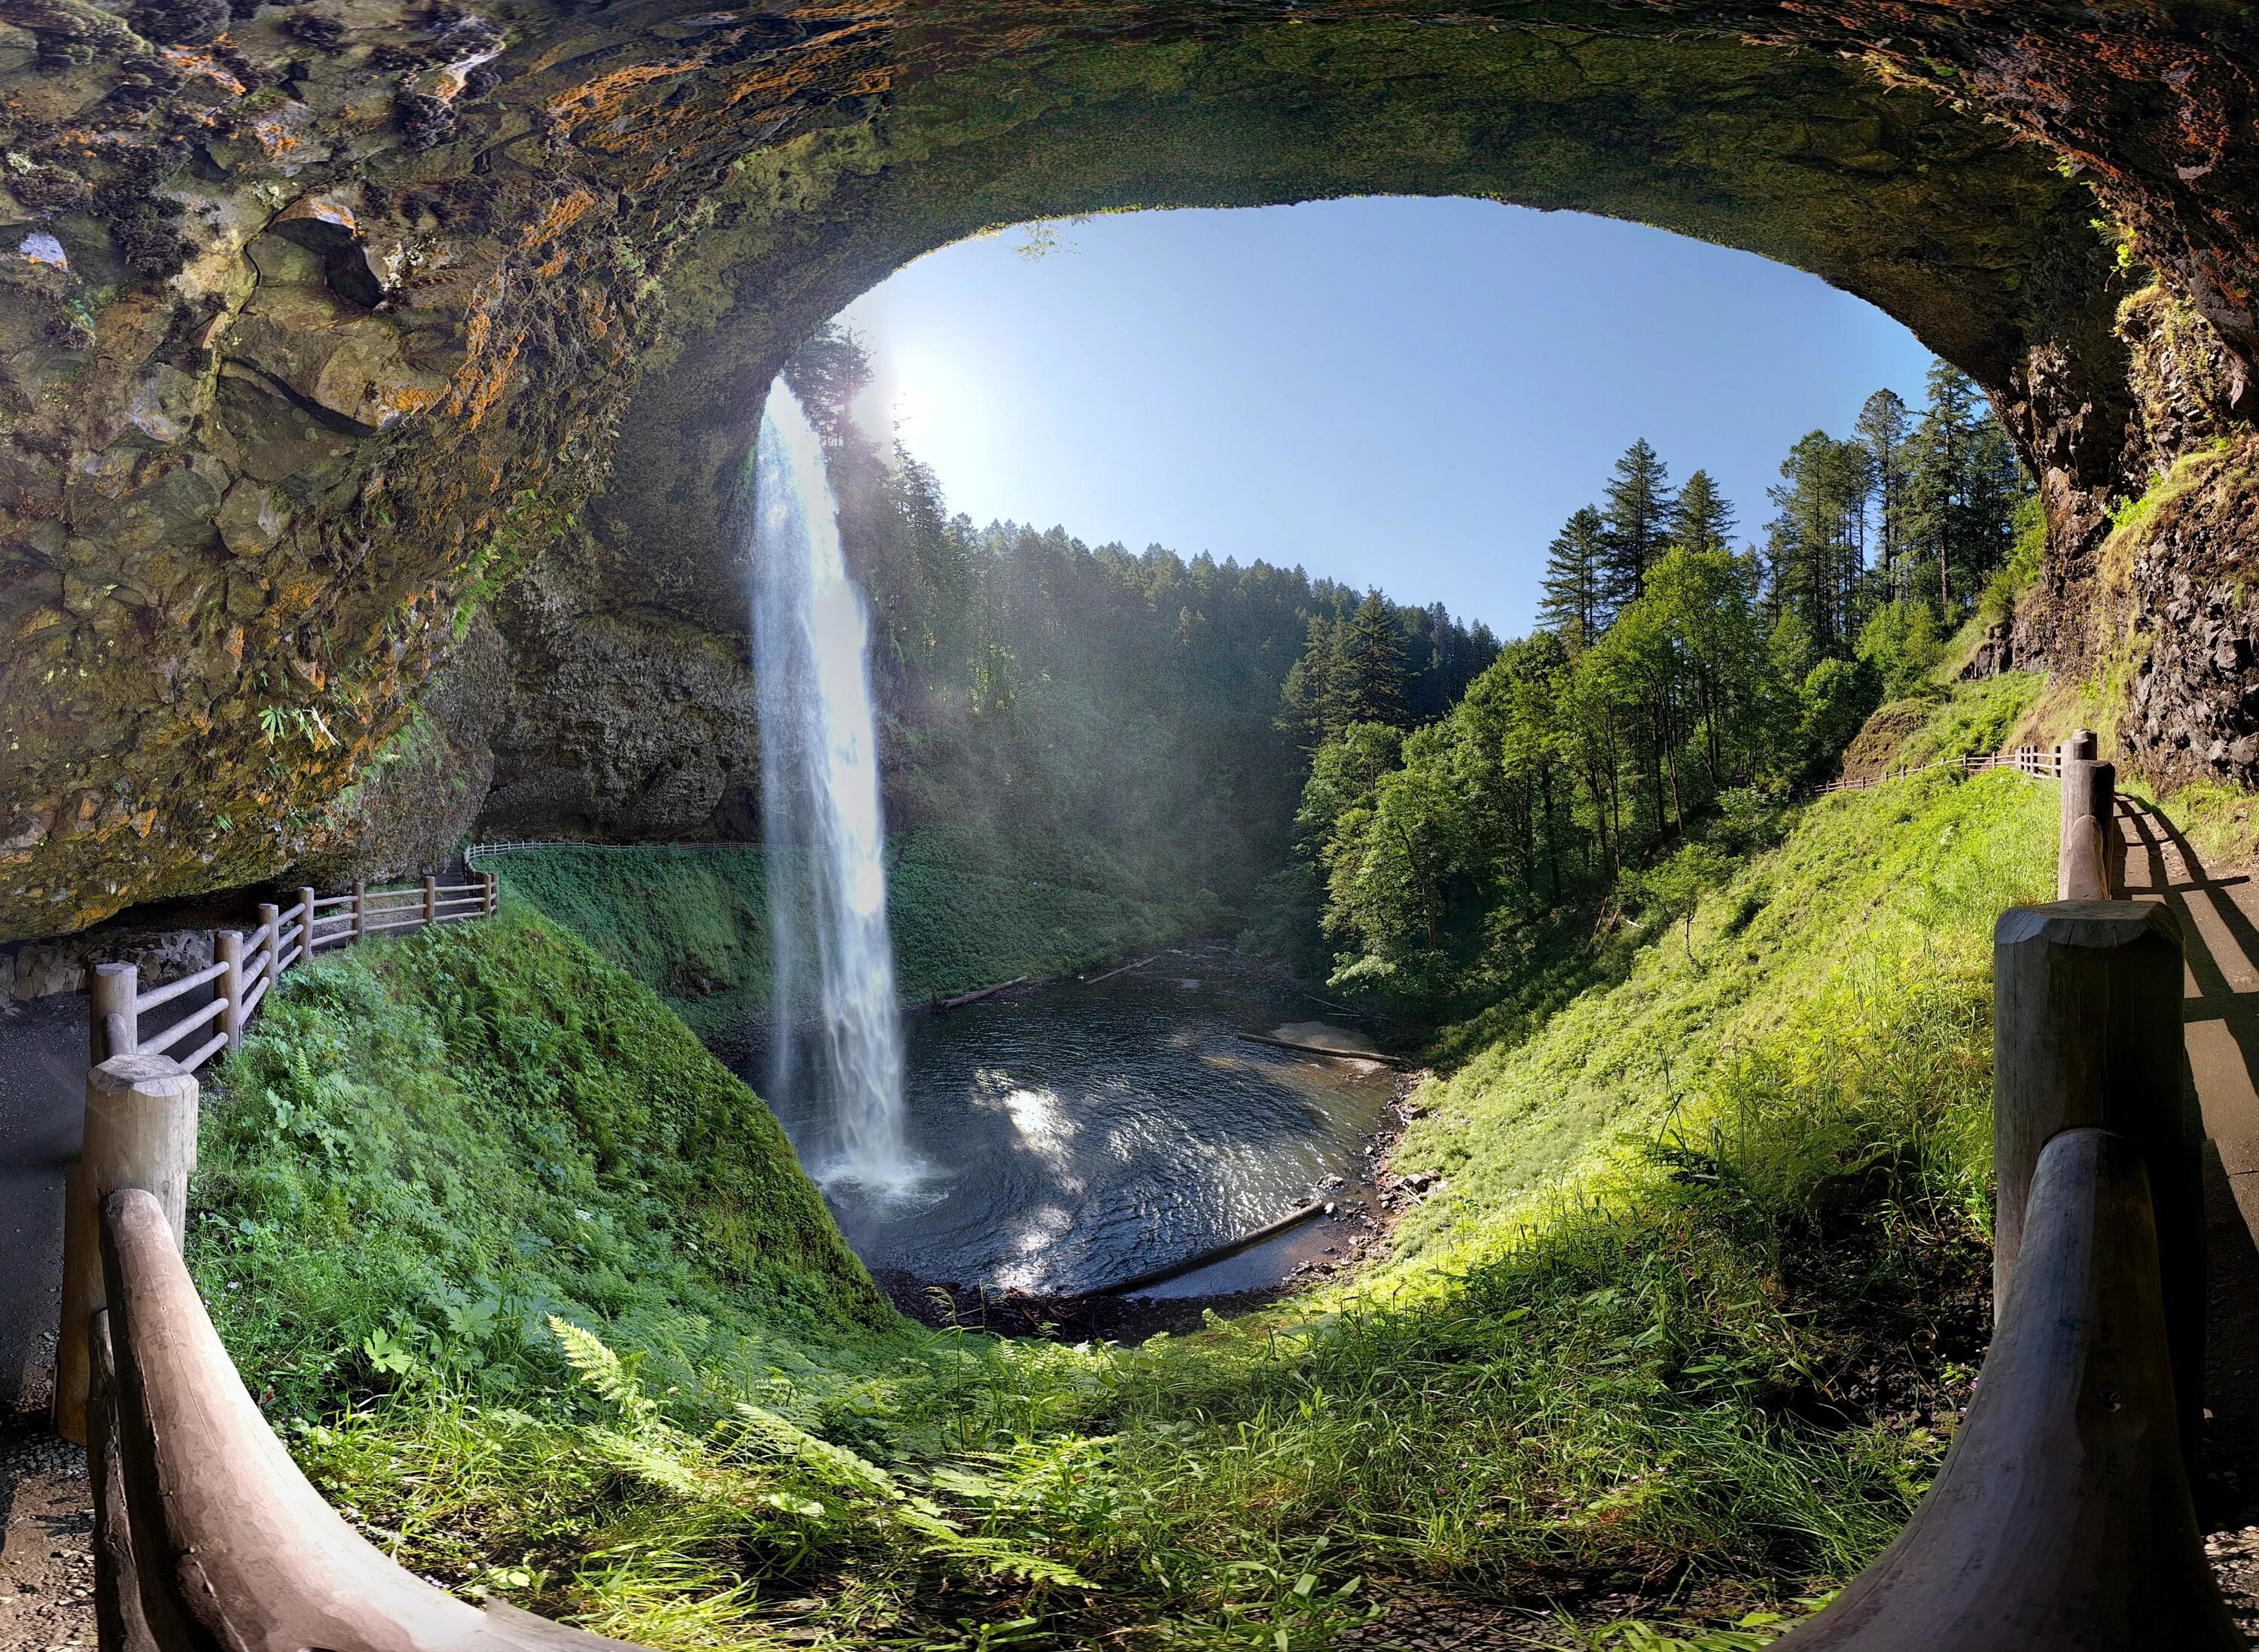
2024	759
2062	1521
244	968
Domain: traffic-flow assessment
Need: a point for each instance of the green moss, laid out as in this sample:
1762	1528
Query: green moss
694	923
1722	1191
492	1122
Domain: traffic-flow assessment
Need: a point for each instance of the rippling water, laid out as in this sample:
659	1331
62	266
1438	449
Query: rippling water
1078	1136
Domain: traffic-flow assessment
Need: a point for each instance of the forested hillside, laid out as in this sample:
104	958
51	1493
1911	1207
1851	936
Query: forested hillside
1676	691
1097	717
1382	794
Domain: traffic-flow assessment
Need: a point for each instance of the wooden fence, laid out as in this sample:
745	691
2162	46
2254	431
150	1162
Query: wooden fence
245	965
2062	1521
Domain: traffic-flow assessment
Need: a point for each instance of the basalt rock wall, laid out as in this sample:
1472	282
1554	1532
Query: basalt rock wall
320	324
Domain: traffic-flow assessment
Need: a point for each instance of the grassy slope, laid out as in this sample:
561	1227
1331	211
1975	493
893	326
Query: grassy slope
694	925
447	1138
1696	1306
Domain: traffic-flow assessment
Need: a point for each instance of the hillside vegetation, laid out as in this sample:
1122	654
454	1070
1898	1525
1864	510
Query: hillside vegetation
1688	1318
693	923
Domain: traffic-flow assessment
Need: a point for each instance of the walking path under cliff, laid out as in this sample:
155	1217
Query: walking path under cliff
2219	910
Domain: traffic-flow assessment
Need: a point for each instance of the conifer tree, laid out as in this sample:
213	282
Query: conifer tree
1371	683
1884	428
1574	607
1701	518
1638	514
1962	485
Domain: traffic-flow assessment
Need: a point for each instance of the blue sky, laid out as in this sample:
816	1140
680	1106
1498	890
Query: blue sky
1412	394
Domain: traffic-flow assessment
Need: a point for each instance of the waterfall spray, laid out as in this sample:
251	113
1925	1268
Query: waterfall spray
820	807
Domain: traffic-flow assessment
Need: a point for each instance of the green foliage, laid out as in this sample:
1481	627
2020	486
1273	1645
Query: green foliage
428	1145
1450	856
1900	643
1699	1295
527	526
693	924
1997	603
1837	695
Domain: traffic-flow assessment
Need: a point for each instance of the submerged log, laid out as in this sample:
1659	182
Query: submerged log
1334	1051
1215	1253
963	998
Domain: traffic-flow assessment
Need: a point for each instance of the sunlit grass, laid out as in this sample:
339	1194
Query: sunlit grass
1695	1311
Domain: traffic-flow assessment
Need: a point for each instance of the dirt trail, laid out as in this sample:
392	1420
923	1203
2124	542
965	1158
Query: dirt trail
2219	910
46	1518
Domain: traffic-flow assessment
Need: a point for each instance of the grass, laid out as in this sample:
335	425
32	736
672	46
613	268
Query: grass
694	923
1687	1322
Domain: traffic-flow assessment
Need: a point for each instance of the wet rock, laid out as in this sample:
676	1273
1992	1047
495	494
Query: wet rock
593	265
251	518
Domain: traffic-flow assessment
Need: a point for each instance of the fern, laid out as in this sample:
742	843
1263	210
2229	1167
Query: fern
604	1371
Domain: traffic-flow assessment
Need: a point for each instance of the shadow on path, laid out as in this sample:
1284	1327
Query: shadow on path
2220	927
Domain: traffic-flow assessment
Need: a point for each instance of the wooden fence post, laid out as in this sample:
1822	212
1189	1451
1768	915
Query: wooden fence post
227	948
359	910
493	894
270	919
2089	804
430	901
110	991
305	927
2086	1031
140	1132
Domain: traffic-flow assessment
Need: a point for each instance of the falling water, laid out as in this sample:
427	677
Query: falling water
820	804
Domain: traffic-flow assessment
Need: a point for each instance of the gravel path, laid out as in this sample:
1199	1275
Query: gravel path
46	1562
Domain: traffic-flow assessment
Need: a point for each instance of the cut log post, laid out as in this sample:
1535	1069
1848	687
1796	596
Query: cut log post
2062	1520
119	1624
2084	743
112	992
360	911
2086	1032
2089	796
140	1132
305	927
227	951
270	919
430	901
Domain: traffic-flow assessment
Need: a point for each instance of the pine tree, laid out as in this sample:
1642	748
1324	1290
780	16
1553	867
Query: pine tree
1638	515
1962	486
1310	696
1701	519
1883	428
1371	684
1574	607
1815	548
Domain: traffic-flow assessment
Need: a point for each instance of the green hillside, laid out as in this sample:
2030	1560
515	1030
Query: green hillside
1689	1314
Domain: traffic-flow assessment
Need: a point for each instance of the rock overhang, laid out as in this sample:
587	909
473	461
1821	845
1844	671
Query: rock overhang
318	323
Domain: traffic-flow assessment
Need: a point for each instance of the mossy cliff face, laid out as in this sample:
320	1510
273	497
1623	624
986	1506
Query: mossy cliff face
318	323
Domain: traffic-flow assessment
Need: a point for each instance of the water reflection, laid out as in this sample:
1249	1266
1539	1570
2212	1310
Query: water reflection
1078	1136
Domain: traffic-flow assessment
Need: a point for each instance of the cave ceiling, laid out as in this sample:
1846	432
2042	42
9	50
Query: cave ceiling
319	322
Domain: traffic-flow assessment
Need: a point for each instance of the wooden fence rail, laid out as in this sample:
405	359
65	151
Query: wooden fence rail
2062	1521
245	965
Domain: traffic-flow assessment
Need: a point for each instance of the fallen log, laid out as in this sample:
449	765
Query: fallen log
1328	1050
1215	1253
963	998
1134	964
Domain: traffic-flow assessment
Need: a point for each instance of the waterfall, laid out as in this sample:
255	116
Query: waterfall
833	960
